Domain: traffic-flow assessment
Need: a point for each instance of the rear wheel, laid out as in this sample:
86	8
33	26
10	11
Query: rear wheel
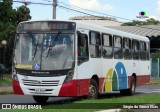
93	90
41	99
131	90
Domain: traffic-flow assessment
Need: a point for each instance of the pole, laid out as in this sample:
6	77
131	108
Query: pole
4	55
54	8
158	68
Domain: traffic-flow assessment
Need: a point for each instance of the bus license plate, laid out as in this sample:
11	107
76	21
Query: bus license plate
38	90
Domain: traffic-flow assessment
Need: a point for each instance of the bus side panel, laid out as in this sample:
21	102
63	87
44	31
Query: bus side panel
75	88
142	71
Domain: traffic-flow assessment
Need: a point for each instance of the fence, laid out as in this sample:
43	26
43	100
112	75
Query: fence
155	69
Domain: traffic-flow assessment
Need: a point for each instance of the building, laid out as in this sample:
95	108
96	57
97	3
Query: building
150	31
99	20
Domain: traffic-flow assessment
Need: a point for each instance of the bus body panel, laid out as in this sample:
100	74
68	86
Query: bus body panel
113	74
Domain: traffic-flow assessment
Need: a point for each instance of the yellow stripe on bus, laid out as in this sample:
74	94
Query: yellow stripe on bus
108	83
24	66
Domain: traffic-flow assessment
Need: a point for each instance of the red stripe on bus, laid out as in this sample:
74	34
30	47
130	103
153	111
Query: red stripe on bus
78	87
101	82
16	88
75	88
140	80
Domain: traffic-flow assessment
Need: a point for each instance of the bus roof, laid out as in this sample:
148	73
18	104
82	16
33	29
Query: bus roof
104	29
101	29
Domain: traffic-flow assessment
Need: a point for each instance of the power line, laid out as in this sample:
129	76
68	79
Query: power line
33	3
96	12
86	13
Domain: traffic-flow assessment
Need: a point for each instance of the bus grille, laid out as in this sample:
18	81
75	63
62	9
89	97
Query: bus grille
40	83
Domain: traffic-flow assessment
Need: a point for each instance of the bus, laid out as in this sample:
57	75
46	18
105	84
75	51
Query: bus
74	59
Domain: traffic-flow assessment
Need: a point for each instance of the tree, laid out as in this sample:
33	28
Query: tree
23	14
9	19
150	21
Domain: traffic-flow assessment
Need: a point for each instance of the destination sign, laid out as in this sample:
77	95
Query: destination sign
46	26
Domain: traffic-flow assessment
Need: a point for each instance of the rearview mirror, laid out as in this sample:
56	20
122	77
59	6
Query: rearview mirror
11	38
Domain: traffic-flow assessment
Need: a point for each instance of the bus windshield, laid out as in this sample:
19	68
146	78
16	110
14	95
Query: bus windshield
44	51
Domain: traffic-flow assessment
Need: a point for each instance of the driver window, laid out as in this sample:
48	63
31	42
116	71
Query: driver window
82	48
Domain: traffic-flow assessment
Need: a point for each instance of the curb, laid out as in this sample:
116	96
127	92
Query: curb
110	110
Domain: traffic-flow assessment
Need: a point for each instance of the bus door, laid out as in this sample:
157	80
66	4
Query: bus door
83	62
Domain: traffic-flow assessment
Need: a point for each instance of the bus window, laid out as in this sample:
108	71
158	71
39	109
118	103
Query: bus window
147	50
95	44
142	50
82	48
135	48
107	46
118	52
127	48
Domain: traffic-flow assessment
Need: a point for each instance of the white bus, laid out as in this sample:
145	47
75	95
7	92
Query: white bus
69	58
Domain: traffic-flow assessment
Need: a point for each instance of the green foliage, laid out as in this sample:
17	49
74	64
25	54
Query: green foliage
9	20
155	56
150	21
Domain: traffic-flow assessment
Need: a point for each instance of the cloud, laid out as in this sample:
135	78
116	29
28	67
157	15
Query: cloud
90	4
158	8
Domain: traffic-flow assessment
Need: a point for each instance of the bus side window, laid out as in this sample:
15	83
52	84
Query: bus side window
95	44
127	48
135	49
118	51
147	50
143	50
107	46
83	54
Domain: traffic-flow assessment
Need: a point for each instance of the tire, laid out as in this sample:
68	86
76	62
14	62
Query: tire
131	90
41	99
123	92
93	90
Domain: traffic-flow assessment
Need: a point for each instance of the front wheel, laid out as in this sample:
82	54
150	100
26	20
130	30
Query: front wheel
93	90
41	99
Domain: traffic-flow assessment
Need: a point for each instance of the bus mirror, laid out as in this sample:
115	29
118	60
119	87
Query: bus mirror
11	37
78	33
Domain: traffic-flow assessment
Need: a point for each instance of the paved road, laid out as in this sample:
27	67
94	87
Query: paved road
29	100
149	89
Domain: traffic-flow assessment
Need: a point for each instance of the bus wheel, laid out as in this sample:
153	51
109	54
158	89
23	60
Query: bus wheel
41	99
132	89
93	90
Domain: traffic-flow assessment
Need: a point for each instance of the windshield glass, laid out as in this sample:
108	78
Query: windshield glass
44	51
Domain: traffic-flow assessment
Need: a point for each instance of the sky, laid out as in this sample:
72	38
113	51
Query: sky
123	10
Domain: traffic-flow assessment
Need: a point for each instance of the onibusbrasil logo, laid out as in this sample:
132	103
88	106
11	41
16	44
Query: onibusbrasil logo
142	14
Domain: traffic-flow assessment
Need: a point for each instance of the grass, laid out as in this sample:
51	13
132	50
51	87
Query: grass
107	103
155	81
53	110
97	105
6	80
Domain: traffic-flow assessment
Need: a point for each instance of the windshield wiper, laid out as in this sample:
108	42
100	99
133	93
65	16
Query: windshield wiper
31	35
35	50
51	46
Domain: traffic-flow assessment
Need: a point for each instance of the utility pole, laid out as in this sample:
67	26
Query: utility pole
54	8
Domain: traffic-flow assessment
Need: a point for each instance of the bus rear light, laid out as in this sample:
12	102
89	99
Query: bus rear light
69	76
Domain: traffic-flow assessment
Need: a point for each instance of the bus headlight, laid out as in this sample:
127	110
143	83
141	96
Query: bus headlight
14	75
69	76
